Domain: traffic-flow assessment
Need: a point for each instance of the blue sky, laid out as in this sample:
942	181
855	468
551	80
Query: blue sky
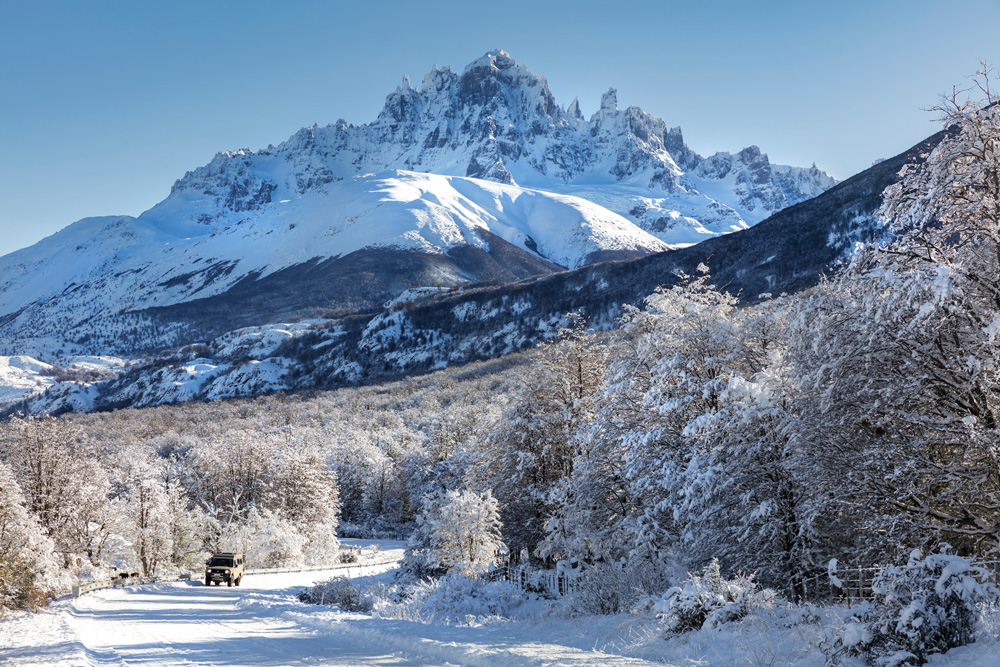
103	105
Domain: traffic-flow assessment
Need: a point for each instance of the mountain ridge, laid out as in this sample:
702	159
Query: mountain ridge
477	177
469	167
425	330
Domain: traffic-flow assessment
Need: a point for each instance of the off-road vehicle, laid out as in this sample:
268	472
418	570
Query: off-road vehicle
224	566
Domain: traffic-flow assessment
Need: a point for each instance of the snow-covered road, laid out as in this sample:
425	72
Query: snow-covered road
262	623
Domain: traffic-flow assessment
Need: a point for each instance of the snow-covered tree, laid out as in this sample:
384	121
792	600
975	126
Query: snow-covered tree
903	355
26	554
599	514
690	342
457	531
383	497
749	493
63	482
533	447
189	528
143	509
230	473
354	459
304	490
265	538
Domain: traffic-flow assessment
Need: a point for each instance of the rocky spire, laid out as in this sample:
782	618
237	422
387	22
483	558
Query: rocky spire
609	101
574	110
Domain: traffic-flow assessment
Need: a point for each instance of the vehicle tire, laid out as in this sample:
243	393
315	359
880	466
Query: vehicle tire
229	582
208	581
239	580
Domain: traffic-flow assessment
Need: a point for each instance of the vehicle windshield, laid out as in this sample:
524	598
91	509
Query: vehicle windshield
221	562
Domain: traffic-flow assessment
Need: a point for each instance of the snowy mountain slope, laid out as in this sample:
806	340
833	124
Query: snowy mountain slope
88	279
21	377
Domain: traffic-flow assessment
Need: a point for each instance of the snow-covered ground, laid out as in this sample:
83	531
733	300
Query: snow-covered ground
263	623
22	376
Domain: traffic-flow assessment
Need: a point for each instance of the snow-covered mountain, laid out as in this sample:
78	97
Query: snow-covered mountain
498	121
100	281
477	176
423	329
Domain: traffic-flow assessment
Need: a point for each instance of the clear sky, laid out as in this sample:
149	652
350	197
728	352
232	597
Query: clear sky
103	105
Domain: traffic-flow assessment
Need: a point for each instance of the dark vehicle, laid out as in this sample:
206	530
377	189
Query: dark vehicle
225	566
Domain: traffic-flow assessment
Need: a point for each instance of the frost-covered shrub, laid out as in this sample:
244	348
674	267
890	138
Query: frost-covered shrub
708	600
321	544
919	609
337	592
457	596
611	588
18	586
400	601
347	530
451	598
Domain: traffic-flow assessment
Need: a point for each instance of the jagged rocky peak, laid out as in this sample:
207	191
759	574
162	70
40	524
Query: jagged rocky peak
497	120
502	87
495	82
498	66
609	100
497	59
437	80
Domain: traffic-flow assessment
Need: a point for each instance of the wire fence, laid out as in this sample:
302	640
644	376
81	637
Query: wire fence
853	585
849	585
